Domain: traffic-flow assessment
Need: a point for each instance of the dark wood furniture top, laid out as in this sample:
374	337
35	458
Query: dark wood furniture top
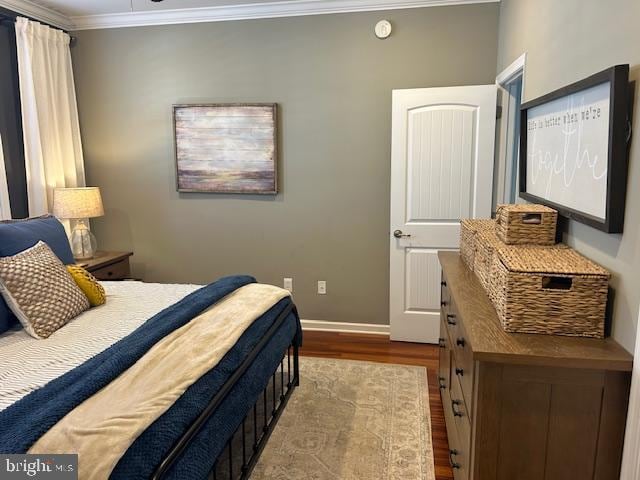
492	344
108	265
525	406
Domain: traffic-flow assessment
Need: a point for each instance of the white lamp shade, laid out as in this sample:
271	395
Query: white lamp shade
84	202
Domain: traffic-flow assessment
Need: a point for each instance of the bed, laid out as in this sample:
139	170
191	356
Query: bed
216	427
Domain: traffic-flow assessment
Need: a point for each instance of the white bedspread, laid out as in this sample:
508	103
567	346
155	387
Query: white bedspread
27	364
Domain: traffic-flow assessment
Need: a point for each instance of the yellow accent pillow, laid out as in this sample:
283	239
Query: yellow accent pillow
88	284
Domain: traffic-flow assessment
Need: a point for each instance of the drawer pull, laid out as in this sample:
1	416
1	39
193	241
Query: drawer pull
443	283
459	371
443	303
451	319
452	453
441	383
454	403
460	342
441	343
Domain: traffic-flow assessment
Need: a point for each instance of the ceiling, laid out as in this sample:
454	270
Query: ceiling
94	14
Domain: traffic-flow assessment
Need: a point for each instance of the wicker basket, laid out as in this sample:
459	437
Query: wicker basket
554	291
526	224
468	231
486	243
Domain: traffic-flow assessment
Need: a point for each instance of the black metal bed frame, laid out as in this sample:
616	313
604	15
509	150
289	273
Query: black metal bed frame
256	425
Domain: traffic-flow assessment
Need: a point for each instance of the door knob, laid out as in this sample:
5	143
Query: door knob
399	234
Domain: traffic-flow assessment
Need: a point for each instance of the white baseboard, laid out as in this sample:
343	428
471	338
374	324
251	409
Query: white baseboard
324	326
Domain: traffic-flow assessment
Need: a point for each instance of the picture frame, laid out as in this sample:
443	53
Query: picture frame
574	146
226	148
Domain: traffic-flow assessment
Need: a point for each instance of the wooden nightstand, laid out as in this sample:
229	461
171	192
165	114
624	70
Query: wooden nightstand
108	265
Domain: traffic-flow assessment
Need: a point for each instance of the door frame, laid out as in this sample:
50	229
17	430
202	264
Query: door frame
513	71
510	74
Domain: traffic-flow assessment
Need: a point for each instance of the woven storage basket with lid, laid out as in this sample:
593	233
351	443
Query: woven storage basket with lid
469	229
553	291
486	243
526	224
509	250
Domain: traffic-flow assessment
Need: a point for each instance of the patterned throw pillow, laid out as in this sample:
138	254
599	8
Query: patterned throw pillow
40	291
18	235
88	284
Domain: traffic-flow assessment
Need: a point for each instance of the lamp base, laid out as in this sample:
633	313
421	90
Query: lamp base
83	242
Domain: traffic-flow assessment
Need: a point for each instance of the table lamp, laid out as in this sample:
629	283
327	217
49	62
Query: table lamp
79	204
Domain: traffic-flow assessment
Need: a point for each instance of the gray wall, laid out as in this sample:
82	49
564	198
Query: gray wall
565	41
332	80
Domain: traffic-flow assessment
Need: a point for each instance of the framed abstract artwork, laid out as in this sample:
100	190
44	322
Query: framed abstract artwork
226	148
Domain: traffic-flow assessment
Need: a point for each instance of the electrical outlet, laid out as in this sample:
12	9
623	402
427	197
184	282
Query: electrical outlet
288	284
322	287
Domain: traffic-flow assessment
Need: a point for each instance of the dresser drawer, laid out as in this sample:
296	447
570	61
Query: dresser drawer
444	292
458	451
460	412
447	309
463	356
444	360
450	318
115	271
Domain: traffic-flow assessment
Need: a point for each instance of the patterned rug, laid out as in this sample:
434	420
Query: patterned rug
352	420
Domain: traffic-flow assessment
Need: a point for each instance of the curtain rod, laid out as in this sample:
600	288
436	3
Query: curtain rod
9	16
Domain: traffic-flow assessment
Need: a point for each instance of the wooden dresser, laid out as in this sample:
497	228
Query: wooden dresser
526	407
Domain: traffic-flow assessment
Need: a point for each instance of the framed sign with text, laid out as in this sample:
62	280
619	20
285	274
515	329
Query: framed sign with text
574	149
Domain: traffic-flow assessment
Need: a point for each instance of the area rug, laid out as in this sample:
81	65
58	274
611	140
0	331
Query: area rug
352	420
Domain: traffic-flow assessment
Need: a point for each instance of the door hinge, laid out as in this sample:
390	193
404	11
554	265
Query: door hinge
498	111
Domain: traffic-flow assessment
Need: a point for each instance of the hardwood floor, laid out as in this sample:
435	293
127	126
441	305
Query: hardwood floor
378	348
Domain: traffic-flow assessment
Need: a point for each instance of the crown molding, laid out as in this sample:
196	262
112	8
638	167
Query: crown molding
38	12
287	8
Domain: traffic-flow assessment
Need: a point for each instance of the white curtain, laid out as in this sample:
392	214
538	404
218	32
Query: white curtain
53	150
5	207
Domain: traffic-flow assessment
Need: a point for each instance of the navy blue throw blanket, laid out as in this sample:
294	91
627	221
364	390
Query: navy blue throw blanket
195	463
24	422
148	450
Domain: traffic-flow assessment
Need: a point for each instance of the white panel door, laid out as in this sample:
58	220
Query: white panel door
441	171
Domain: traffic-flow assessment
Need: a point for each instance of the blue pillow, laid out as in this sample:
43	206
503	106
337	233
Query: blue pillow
7	318
18	235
